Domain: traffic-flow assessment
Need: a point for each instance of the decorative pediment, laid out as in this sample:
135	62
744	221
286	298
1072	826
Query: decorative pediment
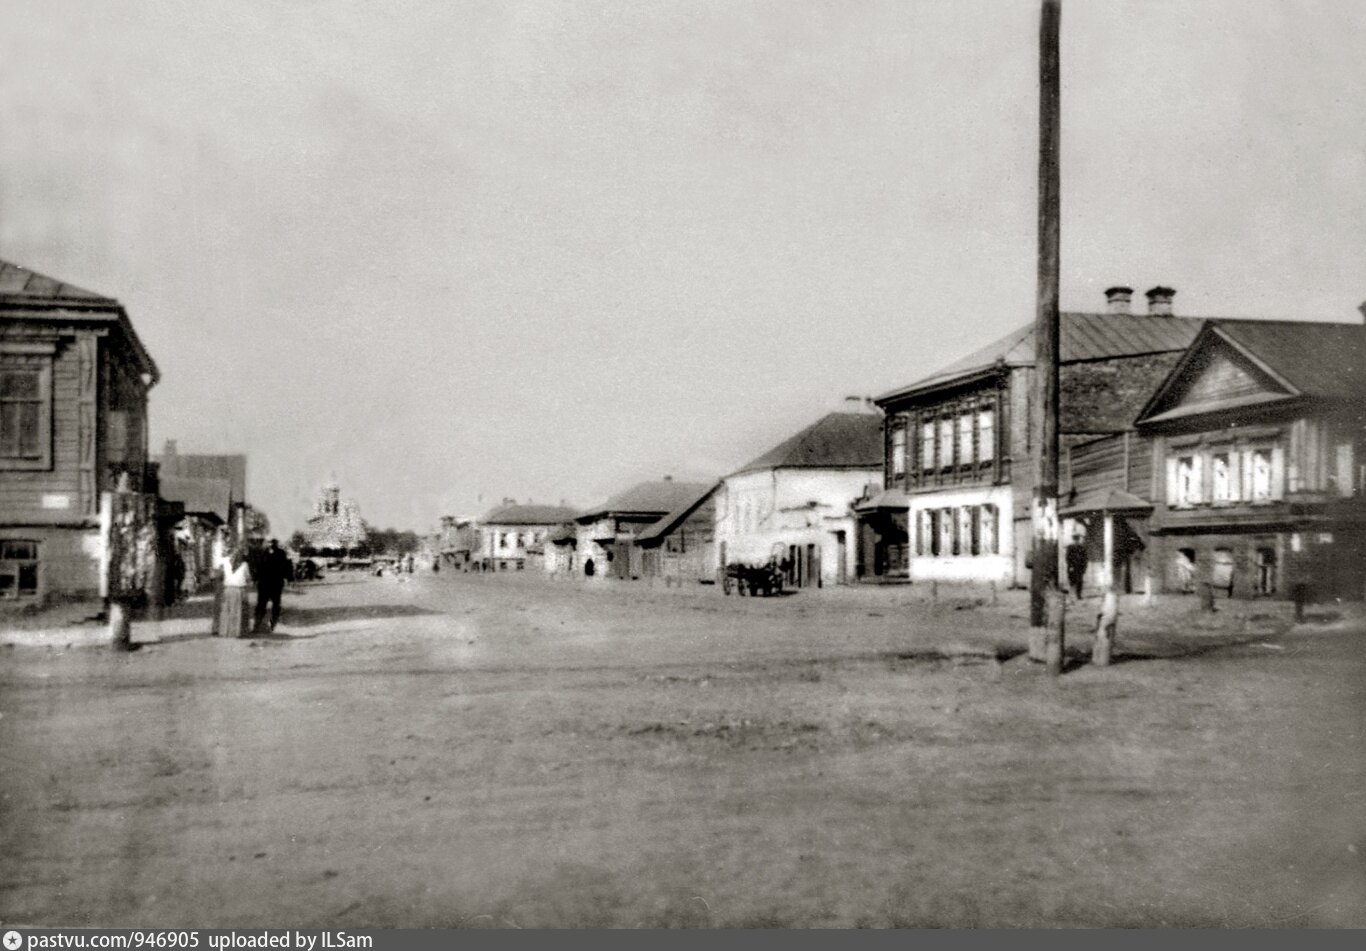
1215	375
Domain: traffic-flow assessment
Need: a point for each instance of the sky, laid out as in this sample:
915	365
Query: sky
451	252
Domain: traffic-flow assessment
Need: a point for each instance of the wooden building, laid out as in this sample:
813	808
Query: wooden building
604	545
681	546
1258	438
74	379
957	468
794	503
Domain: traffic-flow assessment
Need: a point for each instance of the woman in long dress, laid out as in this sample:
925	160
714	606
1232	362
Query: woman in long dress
231	616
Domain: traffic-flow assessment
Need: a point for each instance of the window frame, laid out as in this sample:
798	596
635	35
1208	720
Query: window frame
31	358
14	566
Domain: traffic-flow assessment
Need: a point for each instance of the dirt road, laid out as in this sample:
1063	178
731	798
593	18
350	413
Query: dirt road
506	751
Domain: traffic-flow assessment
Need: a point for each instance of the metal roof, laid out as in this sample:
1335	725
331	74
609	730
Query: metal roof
836	441
1318	359
529	515
1299	359
1082	337
671	521
658	498
18	281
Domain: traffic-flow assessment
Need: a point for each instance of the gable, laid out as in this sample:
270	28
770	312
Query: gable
1216	377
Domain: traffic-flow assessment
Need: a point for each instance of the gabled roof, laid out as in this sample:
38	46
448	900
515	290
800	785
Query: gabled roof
198	496
28	295
836	441
1081	337
647	498
1317	359
676	517
1296	359
514	514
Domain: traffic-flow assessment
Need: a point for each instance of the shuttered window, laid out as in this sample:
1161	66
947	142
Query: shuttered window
25	401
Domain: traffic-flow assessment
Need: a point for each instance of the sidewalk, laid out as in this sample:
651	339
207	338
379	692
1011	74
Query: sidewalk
187	619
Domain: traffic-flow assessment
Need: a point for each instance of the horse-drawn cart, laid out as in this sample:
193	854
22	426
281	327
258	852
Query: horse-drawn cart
754	580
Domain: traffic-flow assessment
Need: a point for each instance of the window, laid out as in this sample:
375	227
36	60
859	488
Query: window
18	569
965	453
945	442
1187	480
1261	475
966	531
947	543
926	520
927	446
898	452
986	435
25	397
1222	474
987	530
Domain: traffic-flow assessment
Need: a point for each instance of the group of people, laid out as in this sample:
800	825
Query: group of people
269	569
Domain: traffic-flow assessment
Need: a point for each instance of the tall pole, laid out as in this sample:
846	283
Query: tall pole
1045	598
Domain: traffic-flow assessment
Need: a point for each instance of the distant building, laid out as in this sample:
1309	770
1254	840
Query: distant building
605	534
335	528
794	503
457	541
511	534
230	468
74	379
195	508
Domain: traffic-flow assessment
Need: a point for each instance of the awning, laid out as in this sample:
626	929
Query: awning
887	500
1114	501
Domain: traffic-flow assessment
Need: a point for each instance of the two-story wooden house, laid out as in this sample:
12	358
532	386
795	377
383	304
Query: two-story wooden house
1258	439
74	379
958	480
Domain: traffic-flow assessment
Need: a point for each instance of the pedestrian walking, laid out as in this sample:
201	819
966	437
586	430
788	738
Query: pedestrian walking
272	571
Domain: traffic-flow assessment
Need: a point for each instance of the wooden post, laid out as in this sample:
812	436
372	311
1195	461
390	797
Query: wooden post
1106	625
1046	629
1108	575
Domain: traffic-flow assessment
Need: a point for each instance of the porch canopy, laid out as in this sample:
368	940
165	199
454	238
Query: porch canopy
1107	503
1103	501
888	500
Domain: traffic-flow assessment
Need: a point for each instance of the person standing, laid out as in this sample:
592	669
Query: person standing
230	620
272	571
1076	565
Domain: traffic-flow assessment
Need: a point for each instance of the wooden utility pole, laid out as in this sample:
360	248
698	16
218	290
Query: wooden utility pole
1045	598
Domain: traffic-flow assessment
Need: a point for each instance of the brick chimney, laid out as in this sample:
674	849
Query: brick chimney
1160	301
1117	299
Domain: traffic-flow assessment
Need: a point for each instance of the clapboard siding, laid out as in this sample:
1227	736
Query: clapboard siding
22	491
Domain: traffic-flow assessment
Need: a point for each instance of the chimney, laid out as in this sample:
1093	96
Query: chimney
1160	301
1117	299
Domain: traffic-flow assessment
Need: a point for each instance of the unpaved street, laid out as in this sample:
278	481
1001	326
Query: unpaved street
509	751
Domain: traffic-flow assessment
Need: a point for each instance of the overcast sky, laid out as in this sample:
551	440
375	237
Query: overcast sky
456	251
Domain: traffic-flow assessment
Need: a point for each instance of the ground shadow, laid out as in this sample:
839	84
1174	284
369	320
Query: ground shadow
292	617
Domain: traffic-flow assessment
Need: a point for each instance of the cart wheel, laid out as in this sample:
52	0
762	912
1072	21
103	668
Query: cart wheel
725	584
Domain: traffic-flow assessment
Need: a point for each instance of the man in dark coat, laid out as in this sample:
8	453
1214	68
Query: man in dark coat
1076	565
273	569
